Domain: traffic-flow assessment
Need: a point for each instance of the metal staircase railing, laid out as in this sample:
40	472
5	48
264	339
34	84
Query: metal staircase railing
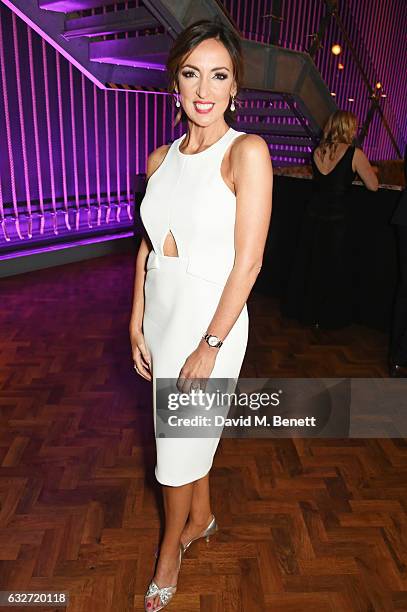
284	97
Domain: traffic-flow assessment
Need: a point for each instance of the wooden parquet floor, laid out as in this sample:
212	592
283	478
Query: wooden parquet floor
306	525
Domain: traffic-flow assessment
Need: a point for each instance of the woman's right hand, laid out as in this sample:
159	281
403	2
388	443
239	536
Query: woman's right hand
141	355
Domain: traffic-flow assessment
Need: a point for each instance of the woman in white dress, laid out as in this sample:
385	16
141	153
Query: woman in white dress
206	212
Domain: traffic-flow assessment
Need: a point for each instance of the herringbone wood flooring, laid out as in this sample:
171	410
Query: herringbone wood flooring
305	525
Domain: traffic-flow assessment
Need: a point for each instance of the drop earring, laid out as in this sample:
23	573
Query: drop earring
232	106
177	102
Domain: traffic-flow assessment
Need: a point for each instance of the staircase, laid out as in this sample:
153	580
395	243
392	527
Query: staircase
124	46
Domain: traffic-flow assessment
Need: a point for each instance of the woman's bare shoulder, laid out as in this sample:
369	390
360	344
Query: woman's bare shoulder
249	141
359	153
156	158
250	160
249	146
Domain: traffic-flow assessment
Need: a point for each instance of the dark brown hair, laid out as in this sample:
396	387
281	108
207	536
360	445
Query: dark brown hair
190	38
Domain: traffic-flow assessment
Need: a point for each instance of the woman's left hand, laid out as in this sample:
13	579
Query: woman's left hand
198	365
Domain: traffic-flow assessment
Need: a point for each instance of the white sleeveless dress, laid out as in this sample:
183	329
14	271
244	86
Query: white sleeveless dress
187	196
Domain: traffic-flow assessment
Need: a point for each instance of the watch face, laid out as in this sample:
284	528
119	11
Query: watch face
213	340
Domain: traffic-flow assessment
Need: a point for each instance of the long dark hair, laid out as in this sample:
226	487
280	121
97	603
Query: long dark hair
190	38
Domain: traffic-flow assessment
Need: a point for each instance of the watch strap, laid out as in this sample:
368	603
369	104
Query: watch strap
206	338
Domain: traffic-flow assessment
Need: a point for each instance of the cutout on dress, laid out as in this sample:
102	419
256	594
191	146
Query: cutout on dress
170	248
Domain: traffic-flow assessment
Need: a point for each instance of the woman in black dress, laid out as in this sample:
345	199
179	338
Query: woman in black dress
319	287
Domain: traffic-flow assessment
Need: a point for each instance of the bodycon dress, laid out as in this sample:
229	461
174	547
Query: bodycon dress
188	197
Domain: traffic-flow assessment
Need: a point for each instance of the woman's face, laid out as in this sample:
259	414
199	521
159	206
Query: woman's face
206	82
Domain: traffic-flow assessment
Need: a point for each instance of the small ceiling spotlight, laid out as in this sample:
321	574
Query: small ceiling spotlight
333	93
351	99
383	95
340	66
378	85
336	49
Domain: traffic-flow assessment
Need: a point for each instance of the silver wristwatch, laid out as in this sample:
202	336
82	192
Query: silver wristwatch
212	340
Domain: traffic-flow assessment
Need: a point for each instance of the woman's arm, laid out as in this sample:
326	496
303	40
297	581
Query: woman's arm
253	179
154	160
136	319
140	353
141	356
365	170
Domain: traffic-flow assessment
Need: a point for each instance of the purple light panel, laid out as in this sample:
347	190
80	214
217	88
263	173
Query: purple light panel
67	144
73	130
85	139
64	245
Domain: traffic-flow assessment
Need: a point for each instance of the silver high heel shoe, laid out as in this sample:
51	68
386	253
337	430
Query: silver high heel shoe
210	530
165	593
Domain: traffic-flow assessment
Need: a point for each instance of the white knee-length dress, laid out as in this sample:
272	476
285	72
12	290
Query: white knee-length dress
188	196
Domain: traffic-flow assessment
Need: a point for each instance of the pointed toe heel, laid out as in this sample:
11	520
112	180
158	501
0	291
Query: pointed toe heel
210	530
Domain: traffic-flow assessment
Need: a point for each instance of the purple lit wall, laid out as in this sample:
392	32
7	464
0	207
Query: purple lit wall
254	18
65	144
377	29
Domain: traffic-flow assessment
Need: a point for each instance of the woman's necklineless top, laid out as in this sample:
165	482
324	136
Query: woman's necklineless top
188	196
